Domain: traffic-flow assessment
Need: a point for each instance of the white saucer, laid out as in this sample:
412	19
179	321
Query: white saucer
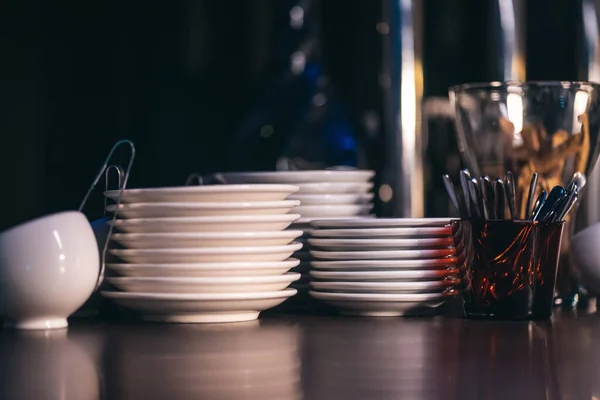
330	211
328	199
380	305
381	222
383	232
373	265
168	210
234	269
204	239
207	254
224	223
365	276
200	308
295	177
304	223
375	244
335	188
383	254
386	287
248	284
212	193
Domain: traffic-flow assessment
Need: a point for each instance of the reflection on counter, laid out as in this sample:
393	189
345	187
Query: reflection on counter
383	359
46	365
235	361
312	358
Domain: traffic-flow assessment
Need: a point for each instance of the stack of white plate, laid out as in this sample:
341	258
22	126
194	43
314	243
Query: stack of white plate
323	194
383	267
204	253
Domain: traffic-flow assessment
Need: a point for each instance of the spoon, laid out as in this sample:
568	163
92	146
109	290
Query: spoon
451	192
578	179
509	186
475	197
572	199
538	205
499	198
479	197
532	188
488	188
465	177
484	197
555	195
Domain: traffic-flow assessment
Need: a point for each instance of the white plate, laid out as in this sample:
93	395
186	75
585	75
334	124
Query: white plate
381	222
207	254
383	232
383	254
304	223
365	276
386	287
295	177
167	210
342	198
224	223
335	188
373	265
211	193
205	269
380	305
204	239
337	211
248	284
200	308
374	244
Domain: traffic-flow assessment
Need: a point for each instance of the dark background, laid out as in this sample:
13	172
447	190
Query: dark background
177	77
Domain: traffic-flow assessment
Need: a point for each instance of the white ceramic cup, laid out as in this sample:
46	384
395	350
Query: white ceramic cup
48	269
585	250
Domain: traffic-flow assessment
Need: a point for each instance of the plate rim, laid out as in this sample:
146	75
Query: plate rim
239	296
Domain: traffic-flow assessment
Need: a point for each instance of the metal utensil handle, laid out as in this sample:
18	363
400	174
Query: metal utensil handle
530	195
123	185
120	176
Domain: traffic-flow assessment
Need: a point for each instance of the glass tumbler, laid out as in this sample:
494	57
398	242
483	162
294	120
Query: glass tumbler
508	268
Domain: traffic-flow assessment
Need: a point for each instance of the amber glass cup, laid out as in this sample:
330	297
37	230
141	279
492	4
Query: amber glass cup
508	268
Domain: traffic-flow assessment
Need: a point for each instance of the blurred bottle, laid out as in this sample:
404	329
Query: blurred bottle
297	121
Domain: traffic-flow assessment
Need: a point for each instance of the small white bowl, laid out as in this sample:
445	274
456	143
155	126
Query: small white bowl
48	269
585	250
